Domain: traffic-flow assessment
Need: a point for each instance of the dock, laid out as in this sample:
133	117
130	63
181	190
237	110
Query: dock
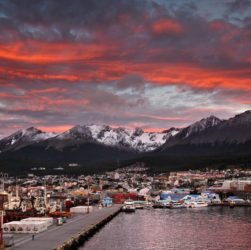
68	236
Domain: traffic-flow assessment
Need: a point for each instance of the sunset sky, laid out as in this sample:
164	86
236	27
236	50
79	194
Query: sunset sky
152	64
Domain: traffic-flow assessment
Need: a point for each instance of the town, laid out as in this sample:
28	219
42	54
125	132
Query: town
60	192
53	199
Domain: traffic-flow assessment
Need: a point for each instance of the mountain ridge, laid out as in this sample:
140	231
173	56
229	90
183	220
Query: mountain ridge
86	144
24	137
233	130
132	139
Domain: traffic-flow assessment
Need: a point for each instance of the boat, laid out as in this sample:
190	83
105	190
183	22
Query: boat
196	204
129	206
176	204
139	204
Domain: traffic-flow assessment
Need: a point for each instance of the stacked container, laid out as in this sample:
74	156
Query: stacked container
25	227
48	220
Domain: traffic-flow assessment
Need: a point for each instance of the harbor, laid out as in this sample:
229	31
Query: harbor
80	229
68	236
62	212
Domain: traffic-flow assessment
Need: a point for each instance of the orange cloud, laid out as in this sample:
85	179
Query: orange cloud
44	52
106	62
158	73
194	76
46	91
167	26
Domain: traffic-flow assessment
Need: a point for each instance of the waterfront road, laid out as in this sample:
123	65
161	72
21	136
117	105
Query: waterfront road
56	235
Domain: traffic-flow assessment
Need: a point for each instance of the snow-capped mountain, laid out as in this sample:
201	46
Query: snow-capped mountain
92	144
129	139
214	131
197	127
186	134
210	130
201	125
132	139
24	137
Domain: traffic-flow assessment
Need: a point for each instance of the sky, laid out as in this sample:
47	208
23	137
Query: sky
152	64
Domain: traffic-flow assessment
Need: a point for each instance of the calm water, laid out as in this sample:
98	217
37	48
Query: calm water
203	228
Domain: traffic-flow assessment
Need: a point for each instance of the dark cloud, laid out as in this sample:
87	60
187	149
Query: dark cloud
52	20
239	5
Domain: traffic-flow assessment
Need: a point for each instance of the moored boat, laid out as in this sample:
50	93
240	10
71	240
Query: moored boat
129	206
196	204
177	204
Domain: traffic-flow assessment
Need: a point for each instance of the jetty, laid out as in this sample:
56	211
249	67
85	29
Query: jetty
70	235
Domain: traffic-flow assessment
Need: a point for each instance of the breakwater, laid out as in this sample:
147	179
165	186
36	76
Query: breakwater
71	234
79	239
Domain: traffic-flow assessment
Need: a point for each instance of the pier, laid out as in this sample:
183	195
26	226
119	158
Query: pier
70	235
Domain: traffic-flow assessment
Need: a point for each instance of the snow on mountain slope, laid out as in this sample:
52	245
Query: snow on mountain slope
23	138
191	133
212	130
135	139
78	133
201	125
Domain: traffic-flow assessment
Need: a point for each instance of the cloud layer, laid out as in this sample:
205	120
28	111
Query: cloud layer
147	63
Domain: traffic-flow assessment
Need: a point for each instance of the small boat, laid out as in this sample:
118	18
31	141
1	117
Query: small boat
139	204
129	206
177	204
196	204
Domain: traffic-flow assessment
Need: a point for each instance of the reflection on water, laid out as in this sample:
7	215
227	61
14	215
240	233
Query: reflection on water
204	228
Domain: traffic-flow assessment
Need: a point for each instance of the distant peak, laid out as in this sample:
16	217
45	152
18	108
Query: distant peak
170	130
76	127
208	121
33	129
201	125
211	118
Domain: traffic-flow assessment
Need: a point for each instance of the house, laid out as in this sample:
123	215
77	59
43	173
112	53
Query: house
106	202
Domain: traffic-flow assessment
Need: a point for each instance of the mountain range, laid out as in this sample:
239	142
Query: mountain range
128	139
87	144
213	131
